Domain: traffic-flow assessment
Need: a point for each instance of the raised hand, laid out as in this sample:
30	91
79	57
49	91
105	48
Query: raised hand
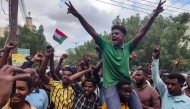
6	81
156	52
39	56
178	60
148	66
72	10
87	57
159	8
133	55
64	56
49	52
11	45
91	68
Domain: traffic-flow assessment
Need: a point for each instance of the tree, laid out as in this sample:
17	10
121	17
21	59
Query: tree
169	33
29	40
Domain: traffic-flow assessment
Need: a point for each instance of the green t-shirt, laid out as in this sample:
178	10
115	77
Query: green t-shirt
115	61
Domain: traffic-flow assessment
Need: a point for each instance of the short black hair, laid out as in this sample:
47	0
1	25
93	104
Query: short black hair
122	82
180	78
145	71
29	81
119	27
70	69
92	80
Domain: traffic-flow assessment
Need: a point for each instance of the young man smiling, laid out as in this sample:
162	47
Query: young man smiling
116	56
85	97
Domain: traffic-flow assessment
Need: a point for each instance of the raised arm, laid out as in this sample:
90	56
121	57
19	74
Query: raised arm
77	75
96	70
133	55
160	85
52	69
63	56
147	26
84	23
43	67
8	48
177	61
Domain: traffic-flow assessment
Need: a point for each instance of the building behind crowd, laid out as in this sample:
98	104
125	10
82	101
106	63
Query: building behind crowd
2	30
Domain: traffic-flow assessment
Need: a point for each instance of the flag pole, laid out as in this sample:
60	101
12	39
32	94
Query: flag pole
56	45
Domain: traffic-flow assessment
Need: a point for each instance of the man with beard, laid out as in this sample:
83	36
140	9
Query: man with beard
148	96
62	94
170	91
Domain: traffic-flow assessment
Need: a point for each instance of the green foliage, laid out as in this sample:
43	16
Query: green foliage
31	40
35	41
3	39
169	33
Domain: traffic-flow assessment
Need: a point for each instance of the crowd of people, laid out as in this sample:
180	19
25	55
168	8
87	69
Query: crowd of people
110	84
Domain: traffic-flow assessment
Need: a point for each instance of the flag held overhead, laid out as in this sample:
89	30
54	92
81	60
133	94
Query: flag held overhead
59	36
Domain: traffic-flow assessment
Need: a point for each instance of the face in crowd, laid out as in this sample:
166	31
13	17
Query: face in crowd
124	90
118	35
141	76
65	76
175	83
23	88
89	86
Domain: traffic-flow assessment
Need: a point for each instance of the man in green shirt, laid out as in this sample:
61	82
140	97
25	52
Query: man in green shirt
116	56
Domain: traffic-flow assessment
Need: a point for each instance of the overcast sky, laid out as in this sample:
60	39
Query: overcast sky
52	14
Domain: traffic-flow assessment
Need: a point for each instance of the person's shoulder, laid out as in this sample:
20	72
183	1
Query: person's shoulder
102	38
186	98
42	91
96	97
32	107
151	89
55	82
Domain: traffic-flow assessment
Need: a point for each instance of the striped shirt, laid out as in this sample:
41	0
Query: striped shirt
61	97
81	101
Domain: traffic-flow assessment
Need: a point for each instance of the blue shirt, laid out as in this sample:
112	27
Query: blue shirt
38	98
168	101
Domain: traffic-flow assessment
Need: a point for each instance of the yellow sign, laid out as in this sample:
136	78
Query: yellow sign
17	59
